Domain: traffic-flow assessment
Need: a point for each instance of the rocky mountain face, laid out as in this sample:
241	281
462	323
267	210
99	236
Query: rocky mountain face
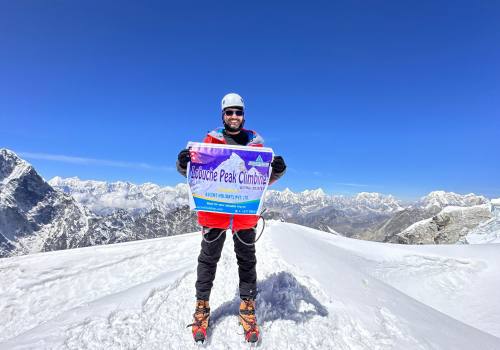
425	208
450	225
344	215
35	217
395	223
67	213
369	216
120	226
31	209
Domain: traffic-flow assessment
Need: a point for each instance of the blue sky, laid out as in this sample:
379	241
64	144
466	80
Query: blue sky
399	97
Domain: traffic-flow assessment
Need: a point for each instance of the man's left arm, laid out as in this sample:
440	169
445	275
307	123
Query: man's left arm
279	168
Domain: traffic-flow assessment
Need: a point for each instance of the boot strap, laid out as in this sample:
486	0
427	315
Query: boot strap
205	310
247	312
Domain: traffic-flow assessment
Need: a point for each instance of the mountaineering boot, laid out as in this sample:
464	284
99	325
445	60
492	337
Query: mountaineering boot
249	321
200	323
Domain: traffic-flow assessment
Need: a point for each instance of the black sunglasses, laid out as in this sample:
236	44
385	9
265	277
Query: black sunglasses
230	112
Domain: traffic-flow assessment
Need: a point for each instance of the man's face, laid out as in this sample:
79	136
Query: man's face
233	117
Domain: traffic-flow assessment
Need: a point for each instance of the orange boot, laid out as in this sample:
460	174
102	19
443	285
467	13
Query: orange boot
200	324
249	321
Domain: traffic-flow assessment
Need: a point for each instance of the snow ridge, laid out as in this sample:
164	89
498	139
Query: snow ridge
363	295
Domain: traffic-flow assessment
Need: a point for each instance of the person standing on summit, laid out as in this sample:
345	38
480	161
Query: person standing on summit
215	226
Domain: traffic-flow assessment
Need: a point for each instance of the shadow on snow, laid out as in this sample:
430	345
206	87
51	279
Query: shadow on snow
280	297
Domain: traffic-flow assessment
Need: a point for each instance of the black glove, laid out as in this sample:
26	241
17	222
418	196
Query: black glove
278	164
184	158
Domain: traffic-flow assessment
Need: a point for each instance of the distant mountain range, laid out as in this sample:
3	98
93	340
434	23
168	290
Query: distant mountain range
36	215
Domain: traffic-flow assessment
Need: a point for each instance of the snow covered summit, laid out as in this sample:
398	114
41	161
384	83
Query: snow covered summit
441	199
316	291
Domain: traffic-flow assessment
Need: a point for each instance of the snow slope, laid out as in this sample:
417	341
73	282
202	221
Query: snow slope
317	291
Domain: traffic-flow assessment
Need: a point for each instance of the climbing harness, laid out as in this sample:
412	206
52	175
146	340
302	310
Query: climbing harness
203	233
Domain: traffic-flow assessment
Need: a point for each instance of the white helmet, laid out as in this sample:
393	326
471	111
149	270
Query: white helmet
232	100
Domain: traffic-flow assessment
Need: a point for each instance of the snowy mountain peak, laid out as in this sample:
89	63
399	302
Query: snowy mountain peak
8	154
12	167
376	201
56	180
76	182
363	196
103	197
317	193
442	199
33	216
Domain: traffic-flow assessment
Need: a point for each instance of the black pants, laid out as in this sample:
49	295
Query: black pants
210	254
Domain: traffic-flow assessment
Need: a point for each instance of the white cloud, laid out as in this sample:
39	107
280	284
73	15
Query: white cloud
92	161
120	200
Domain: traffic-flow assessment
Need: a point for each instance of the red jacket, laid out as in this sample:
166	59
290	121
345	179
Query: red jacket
219	220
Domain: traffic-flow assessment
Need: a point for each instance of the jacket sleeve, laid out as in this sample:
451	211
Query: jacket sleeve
275	176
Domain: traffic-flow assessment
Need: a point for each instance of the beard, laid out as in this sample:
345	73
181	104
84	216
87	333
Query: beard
232	128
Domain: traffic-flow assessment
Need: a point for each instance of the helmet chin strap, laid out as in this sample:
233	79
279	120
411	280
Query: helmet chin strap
231	129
